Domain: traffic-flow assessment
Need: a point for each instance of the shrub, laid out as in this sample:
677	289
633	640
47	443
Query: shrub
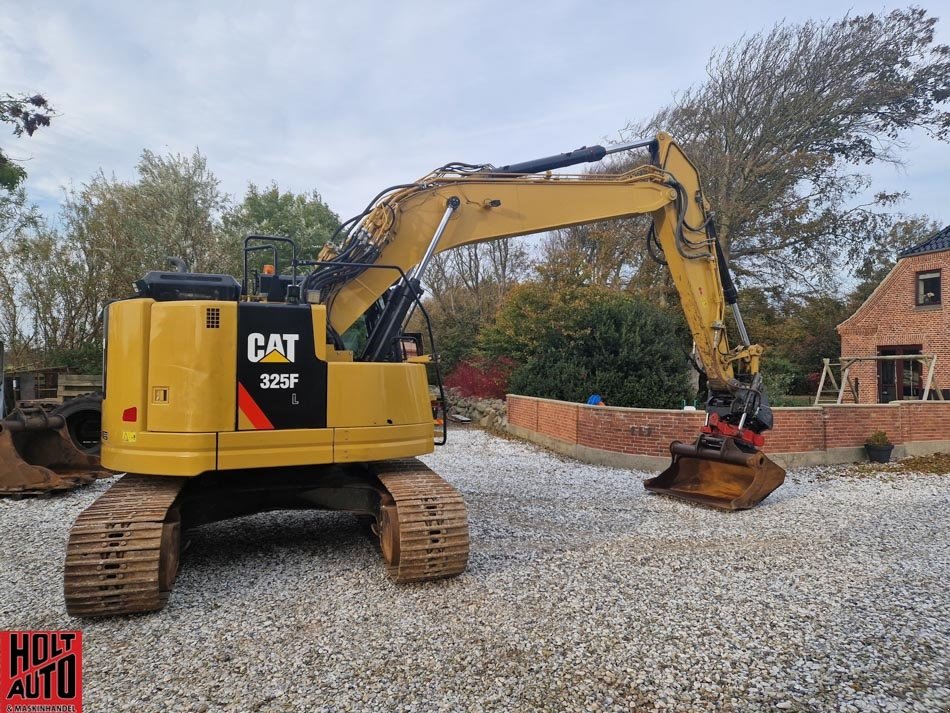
481	377
584	340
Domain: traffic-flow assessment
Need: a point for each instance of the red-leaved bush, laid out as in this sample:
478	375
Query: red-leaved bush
482	378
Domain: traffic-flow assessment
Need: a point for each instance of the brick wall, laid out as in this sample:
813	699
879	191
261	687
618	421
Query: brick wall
648	432
557	419
924	421
637	431
524	412
797	430
890	317
848	425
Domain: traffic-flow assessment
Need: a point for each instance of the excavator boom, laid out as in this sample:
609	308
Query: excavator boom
462	204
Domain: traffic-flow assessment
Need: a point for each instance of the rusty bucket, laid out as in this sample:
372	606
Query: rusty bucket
718	473
38	453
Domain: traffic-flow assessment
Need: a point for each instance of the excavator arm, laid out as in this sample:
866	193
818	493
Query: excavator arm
378	270
459	205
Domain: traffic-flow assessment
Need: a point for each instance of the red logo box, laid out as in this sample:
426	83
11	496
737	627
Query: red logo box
40	671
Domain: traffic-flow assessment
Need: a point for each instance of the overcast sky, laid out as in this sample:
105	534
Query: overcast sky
350	97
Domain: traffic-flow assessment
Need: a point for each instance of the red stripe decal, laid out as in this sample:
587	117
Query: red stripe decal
253	412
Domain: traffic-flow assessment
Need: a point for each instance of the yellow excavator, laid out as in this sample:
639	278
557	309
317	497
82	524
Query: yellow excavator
224	398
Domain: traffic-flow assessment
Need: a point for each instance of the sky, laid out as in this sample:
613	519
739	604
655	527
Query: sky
348	98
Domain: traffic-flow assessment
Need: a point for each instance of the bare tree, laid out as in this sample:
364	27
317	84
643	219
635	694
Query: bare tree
784	121
608	254
466	286
16	217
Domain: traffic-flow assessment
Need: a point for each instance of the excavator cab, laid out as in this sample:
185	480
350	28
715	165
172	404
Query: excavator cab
720	472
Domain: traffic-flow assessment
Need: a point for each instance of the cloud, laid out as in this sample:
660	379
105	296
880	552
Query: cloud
347	98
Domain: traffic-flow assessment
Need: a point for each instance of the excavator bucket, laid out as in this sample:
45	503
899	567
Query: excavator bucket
38	453
722	476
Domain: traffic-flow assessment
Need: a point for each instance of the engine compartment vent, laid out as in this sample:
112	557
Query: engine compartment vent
212	317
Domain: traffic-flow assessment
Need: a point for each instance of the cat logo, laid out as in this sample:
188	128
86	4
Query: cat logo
272	349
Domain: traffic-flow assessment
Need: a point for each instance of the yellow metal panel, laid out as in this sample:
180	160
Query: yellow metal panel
382	442
192	365
341	355
373	394
318	313
160	453
126	371
268	449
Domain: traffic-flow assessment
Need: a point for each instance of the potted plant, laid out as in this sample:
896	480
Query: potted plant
878	447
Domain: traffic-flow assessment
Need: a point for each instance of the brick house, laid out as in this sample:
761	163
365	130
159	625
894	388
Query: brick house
907	314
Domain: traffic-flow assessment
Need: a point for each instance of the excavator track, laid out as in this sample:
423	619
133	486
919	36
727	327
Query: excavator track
123	550
122	555
423	530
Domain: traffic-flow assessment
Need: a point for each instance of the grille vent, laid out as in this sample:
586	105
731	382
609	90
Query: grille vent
212	317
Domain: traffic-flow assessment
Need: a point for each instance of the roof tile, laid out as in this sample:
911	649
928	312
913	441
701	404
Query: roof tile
937	241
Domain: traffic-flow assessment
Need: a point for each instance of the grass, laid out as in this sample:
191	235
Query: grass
792	400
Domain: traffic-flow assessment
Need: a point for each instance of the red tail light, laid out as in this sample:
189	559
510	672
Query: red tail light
130	414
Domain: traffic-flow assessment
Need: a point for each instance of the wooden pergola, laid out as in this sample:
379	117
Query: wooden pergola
835	394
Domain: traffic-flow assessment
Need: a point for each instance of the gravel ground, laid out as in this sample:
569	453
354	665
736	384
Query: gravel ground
583	593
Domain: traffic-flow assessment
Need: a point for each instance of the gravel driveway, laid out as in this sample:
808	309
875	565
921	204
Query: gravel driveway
583	593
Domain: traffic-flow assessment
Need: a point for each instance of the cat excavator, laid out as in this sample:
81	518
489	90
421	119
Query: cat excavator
226	398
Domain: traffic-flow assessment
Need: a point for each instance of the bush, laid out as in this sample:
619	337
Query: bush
86	359
778	376
482	378
573	343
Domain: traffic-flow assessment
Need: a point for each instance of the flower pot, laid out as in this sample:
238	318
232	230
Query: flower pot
878	454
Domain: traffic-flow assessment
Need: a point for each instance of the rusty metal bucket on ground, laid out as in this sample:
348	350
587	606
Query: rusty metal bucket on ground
37	454
718	473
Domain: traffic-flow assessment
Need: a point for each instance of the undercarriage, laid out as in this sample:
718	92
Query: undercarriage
123	552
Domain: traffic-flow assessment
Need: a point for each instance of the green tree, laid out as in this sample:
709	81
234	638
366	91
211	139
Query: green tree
454	327
466	286
785	119
571	343
26	114
113	232
303	217
809	334
797	332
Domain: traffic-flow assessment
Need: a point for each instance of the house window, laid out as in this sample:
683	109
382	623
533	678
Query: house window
928	288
